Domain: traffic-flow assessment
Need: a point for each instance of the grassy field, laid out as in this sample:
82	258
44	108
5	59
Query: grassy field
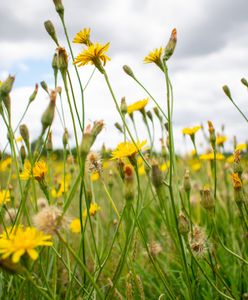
134	222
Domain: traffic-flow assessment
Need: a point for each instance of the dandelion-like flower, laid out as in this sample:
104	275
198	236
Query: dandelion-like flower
94	208
19	241
221	139
83	37
38	171
94	54
210	156
190	131
75	225
155	57
137	106
127	149
4	196
49	220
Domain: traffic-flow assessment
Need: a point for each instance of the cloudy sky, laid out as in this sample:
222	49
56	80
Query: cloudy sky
211	51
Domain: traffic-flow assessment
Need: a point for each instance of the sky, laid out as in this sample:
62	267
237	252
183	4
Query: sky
211	51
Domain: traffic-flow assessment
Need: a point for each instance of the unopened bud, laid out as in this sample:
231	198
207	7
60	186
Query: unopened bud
59	7
183	224
170	47
24	133
51	31
65	137
245	82
207	200
212	134
49	143
6	86
227	92
149	115
186	181
23	153
62	60
44	86
119	127
123	106
129	182
128	71
34	94
48	115
157	175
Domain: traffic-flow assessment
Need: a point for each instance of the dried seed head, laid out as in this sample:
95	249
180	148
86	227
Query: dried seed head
207	200
10	215
183	224
155	248
94	162
198	241
42	203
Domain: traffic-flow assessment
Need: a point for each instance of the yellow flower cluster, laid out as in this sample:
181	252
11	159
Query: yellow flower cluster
210	156
19	241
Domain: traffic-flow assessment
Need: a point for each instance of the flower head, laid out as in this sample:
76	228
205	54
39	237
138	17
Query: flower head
127	149
22	240
221	139
4	196
137	106
75	226
94	54
190	131
83	37
94	208
38	171
210	156
154	57
237	183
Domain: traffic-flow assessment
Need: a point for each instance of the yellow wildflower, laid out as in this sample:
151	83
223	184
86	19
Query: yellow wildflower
5	164
94	208
237	184
4	196
94	54
164	166
210	156
154	57
196	166
20	241
137	106
241	147
94	176
141	170
83	37
38	171
191	131
221	139
62	187
75	226
127	149
230	159
19	139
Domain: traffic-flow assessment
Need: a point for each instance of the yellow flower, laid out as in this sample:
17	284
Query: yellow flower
75	226
141	170
221	139
62	187
94	54
191	131
230	159
5	164
22	240
210	156
94	208
83	37
196	166
241	147
154	57
139	105
94	176
164	166
127	149
4	196
237	184
38	171
19	139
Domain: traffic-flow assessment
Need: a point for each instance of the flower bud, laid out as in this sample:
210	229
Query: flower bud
24	134
157	175
48	115
44	86
119	127
59	7
245	82
62	60
128	71
207	200
49	144
227	91
123	106
129	182
170	47
65	138
6	86
23	153
51	31
34	94
149	115
212	134
183	224
186	181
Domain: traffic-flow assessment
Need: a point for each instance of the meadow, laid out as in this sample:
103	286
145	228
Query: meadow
135	222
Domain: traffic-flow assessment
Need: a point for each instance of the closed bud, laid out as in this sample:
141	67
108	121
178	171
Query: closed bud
23	153
51	31
212	136
183	224
49	143
171	45
44	86
62	60
48	115
129	184
149	115
6	86
245	82
123	106
227	91
186	181
119	127
59	7
24	133
207	200
34	94
128	71
157	175
156	111
7	103
65	138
